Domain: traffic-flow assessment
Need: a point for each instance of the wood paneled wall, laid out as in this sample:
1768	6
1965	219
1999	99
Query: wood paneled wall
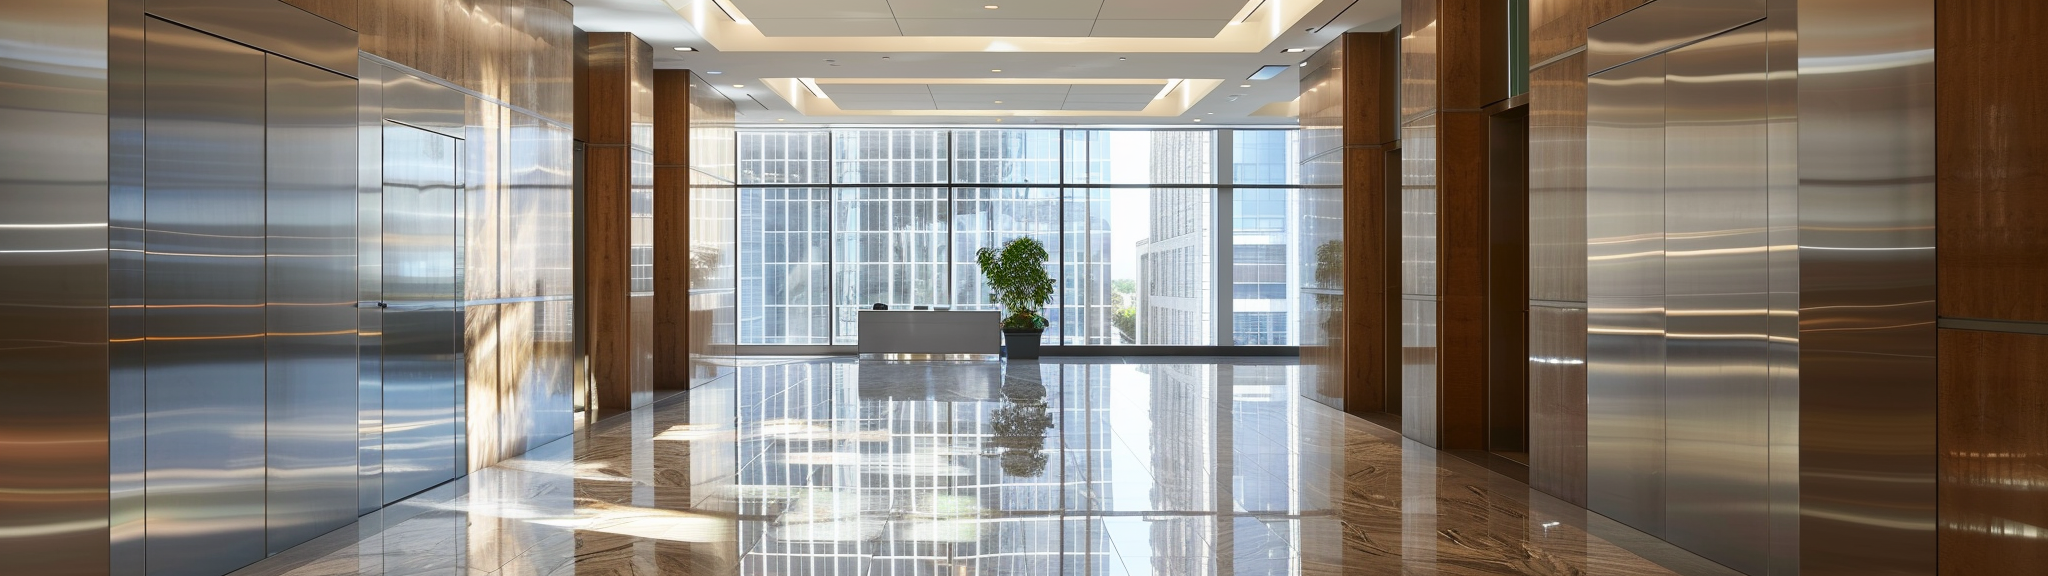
511	50
1454	66
1992	197
672	119
1350	118
618	132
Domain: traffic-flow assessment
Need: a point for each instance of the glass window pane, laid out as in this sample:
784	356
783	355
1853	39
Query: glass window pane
783	265
1265	156
1139	267
890	156
785	157
890	248
1006	156
1141	156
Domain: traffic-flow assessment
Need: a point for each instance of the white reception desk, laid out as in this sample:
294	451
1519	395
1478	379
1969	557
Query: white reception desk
930	332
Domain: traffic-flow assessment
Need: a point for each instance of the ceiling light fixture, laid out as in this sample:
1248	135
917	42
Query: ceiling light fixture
1295	50
999	101
739	85
995	69
1168	89
1244	85
1303	64
1267	72
685	49
713	72
1198	119
991	7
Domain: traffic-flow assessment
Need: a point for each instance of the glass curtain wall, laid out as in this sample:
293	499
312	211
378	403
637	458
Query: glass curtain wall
834	221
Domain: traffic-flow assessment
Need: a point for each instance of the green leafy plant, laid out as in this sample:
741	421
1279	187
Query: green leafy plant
1018	277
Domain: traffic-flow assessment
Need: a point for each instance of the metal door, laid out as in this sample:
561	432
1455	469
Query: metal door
423	345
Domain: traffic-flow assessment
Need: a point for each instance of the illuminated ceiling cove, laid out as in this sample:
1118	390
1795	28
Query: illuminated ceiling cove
983	61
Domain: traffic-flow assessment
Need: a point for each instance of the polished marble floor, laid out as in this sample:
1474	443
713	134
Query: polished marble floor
1211	466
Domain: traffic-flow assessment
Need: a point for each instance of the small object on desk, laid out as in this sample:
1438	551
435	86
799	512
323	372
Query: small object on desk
920	307
881	306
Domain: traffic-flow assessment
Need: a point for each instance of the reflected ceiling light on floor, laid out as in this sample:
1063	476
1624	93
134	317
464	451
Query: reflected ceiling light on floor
685	49
1267	72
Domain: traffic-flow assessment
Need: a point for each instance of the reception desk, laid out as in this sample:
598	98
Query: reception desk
930	332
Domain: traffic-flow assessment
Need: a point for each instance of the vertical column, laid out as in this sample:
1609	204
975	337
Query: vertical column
1454	65
618	145
1557	248
672	91
1371	231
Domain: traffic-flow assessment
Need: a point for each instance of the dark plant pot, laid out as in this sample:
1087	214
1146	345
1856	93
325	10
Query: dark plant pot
1020	344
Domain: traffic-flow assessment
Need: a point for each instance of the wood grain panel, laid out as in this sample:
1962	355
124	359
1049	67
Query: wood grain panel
1557	181
1371	86
608	90
1555	27
1462	235
1994	452
341	12
1557	402
1471	53
671	228
607	226
1992	137
1371	314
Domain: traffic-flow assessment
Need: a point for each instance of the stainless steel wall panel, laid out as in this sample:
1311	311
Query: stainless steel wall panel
416	102
1625	287
370	286
53	307
271	26
1717	284
1662	25
126	331
311	386
422	333
203	151
1782	147
1867	391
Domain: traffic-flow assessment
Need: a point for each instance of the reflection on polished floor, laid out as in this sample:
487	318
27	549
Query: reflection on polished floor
845	467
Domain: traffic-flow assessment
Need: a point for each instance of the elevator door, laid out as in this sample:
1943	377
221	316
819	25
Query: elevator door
422	335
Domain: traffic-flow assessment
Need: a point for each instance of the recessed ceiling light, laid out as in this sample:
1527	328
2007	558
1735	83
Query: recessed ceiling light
1120	58
991	7
1244	85
999	101
781	119
1303	64
739	85
1295	50
685	49
713	72
1198	119
995	69
1211	114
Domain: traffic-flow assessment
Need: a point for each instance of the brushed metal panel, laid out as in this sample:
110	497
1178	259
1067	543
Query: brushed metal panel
126	462
370	287
417	102
422	333
311	386
1717	301
1662	25
1625	287
204	276
1782	147
1419	370
273	27
1867	391
1557	181
54	236
1557	402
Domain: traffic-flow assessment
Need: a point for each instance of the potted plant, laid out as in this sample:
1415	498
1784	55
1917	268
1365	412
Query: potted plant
1022	286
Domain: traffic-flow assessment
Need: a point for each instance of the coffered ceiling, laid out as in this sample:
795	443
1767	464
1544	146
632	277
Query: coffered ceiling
1113	62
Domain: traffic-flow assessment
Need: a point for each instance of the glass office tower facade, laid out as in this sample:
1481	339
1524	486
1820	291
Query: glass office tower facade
834	221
